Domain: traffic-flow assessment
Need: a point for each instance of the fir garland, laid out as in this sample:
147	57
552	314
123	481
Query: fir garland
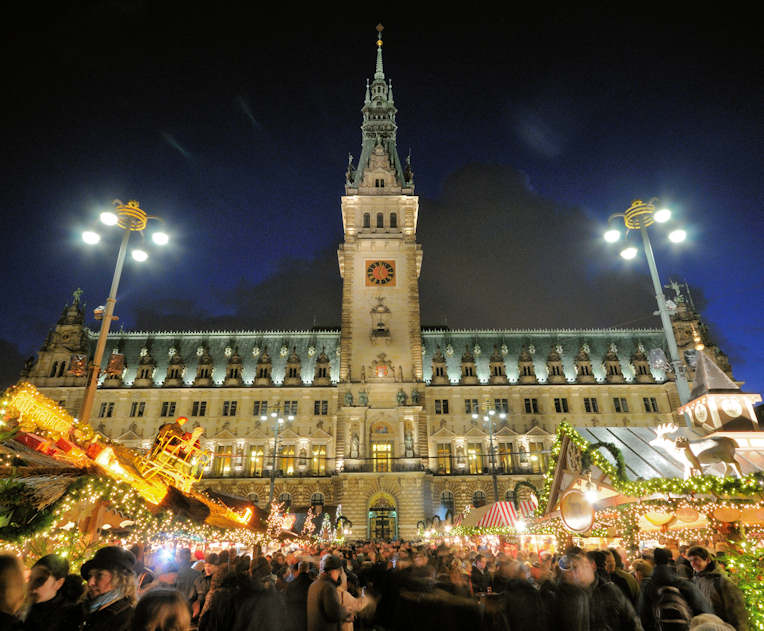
620	465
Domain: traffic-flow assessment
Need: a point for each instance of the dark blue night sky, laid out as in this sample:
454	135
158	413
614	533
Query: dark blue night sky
526	133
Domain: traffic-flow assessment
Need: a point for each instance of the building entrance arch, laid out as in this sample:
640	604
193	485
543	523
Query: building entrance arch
383	517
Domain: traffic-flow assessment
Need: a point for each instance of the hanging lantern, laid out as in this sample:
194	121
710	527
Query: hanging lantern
727	514
687	514
658	518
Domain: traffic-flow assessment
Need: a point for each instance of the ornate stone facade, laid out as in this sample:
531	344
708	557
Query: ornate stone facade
379	411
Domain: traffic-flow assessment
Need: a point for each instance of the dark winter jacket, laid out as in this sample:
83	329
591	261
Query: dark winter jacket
221	603
10	623
481	580
627	584
609	609
665	575
260	608
726	598
118	616
53	615
324	610
297	602
523	606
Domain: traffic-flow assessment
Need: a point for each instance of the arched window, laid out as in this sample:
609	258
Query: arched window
366	220
317	499
447	501
252	497
380	220
285	499
393	220
509	496
478	499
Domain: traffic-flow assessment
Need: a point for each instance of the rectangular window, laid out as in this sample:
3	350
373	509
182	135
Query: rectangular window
255	463
475	457
318	461
537	458
222	463
229	408
501	405
444	457
381	454
651	405
168	408
531	406
320	408
137	408
290	407
106	410
287	459
561	406
591	405
260	408
441	406
199	408
620	404
506	461
471	406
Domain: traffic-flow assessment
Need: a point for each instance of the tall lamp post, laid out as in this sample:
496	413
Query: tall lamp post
639	216
130	218
277	420
487	416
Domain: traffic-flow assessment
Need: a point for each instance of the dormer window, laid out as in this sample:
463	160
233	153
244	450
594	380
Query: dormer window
379	182
393	220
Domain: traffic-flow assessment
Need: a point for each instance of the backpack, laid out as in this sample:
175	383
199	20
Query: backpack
672	613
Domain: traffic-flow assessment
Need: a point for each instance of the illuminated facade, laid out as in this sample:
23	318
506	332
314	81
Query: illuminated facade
383	408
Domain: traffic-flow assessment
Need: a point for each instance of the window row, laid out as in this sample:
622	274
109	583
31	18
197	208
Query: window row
508	457
251	461
200	408
561	405
380	223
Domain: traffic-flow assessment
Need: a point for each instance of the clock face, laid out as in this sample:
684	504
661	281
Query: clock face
380	273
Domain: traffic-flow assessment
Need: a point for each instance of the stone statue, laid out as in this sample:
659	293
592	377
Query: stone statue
348	399
400	374
408	443
354	446
363	374
415	397
363	398
401	396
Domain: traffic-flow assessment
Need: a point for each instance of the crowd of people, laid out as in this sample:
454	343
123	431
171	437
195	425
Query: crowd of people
373	586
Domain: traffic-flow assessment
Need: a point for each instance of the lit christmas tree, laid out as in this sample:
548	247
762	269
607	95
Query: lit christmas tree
746	570
309	527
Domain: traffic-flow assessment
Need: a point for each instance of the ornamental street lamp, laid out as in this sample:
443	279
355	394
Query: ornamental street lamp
130	218
277	420
487	417
639	216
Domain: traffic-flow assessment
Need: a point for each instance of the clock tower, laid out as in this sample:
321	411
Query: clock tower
380	259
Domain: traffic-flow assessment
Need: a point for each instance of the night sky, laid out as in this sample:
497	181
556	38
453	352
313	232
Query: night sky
526	132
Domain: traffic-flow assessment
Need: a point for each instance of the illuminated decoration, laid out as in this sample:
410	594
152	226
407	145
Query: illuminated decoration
576	511
36	411
274	523
309	527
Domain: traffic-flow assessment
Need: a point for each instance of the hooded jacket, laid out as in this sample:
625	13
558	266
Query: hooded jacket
726	598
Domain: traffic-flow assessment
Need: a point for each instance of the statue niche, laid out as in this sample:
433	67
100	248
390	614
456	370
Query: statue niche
380	322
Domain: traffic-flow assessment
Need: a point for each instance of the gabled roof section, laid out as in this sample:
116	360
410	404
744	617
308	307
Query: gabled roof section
710	378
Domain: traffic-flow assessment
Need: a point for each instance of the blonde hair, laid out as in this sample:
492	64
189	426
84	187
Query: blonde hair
162	610
12	589
125	582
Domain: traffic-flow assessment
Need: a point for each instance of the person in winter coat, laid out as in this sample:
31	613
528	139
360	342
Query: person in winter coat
50	610
297	598
726	598
609	609
162	609
111	580
11	593
523	606
350	603
665	575
481	580
324	610
201	586
623	580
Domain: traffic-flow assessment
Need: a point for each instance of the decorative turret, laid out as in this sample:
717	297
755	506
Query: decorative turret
497	368
525	368
612	365
115	368
469	374
641	366
322	373
204	368
584	372
439	369
144	378
176	368
234	368
292	375
379	166
264	369
555	372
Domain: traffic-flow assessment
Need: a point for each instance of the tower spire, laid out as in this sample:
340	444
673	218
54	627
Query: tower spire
380	72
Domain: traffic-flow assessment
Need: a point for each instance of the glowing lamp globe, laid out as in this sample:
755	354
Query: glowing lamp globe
611	236
662	215
139	255
108	218
629	253
677	236
90	237
160	238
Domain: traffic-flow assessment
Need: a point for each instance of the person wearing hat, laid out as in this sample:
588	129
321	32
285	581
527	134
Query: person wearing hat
324	610
50	609
110	575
